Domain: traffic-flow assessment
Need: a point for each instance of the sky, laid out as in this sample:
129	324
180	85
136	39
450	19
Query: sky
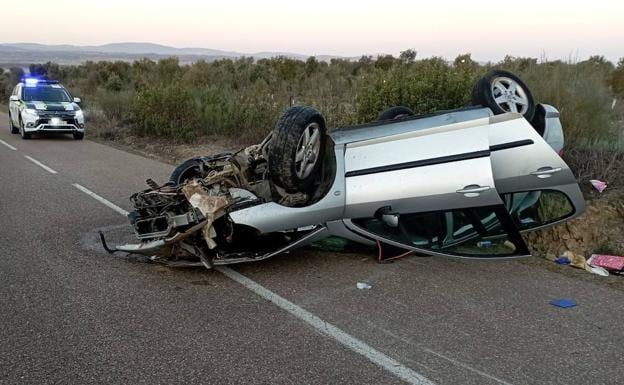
488	29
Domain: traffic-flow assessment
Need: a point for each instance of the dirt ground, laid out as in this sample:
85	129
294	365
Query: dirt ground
164	150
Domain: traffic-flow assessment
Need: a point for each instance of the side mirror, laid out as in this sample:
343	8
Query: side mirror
14	98
77	100
390	220
388	217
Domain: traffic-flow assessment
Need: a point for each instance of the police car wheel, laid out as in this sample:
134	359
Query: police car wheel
25	135
78	135
12	128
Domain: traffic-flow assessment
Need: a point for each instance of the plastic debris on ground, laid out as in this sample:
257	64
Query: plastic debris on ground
562	261
576	260
363	286
598	185
598	270
563	303
579	261
613	263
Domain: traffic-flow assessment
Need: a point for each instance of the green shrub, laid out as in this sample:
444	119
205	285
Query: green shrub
424	86
115	105
167	110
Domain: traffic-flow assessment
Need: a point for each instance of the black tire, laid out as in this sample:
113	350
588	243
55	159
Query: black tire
78	135
483	94
397	112
12	128
189	169
288	135
25	135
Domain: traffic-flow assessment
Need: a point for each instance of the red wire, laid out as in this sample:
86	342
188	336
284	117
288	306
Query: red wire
380	254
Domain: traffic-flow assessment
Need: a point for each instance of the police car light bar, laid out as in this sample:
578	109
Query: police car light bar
31	82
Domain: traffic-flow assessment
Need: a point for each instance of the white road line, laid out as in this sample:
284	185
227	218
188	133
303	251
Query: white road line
360	347
100	199
354	344
43	166
8	145
465	366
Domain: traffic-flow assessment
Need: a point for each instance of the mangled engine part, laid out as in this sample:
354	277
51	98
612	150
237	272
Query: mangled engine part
174	221
212	207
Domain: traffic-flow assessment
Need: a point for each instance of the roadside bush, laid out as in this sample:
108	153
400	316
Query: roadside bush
617	79
165	110
424	86
116	106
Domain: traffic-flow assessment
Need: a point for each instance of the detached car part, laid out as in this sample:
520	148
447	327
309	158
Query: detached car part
461	183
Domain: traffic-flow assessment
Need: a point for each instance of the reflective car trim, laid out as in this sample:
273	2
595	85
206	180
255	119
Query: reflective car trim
420	163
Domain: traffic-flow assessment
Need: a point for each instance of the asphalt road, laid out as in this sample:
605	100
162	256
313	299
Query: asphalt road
72	314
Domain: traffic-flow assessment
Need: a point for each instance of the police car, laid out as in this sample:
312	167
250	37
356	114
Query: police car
39	105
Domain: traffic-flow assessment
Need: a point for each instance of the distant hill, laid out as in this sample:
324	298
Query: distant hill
25	53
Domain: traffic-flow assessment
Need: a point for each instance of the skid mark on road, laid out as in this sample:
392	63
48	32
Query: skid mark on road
43	166
8	145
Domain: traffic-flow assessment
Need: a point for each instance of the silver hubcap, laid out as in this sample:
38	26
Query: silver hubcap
308	150
509	95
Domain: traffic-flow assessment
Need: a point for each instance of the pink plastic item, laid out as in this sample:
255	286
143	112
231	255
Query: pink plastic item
609	262
598	185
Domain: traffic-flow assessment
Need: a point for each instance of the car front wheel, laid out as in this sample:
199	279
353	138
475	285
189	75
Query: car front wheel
297	148
25	135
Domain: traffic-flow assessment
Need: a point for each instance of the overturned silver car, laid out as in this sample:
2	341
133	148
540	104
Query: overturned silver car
462	183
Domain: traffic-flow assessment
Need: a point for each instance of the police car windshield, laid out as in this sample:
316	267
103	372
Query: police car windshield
46	94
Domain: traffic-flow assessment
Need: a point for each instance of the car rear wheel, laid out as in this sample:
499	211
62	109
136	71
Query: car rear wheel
12	128
297	147
78	135
503	92
397	112
25	135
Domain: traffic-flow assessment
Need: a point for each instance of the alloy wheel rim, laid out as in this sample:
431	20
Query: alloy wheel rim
509	95
308	150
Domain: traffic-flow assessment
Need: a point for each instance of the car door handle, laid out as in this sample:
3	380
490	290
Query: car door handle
546	172
473	190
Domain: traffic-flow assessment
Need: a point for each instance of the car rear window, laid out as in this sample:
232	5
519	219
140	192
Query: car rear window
46	94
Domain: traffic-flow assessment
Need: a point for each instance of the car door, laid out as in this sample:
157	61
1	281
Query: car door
535	183
15	112
431	191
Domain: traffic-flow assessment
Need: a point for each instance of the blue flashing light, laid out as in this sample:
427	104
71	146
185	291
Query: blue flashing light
31	82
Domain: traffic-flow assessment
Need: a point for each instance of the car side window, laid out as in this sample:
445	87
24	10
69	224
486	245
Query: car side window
475	232
533	209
